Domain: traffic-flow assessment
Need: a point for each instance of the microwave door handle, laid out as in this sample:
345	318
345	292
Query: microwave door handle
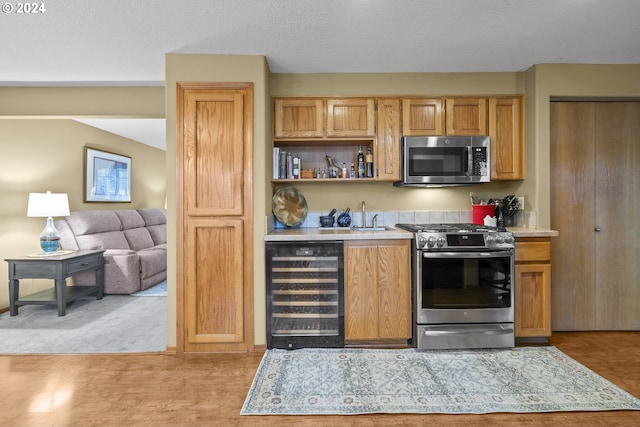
466	161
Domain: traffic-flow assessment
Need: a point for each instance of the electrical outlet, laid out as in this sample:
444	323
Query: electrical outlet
521	203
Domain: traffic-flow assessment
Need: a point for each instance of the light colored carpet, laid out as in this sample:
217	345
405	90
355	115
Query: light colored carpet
114	324
159	290
360	381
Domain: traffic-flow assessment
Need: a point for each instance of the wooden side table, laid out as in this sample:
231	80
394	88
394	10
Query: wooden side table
58	268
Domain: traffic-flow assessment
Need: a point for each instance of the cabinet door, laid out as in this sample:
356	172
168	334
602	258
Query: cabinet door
507	138
215	302
377	290
466	116
361	295
387	158
214	226
394	289
351	117
214	151
299	118
533	300
422	117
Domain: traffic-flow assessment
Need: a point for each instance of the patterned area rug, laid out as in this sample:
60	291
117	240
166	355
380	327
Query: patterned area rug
360	381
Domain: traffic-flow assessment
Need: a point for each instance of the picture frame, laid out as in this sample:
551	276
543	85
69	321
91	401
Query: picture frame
107	177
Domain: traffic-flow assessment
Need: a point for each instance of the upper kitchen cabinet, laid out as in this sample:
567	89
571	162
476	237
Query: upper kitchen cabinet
310	130
351	118
299	118
466	116
324	118
387	151
506	129
422	117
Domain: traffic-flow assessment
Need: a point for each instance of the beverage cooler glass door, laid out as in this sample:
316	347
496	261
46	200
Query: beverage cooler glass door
304	295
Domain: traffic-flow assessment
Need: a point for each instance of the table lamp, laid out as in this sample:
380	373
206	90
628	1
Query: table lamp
47	205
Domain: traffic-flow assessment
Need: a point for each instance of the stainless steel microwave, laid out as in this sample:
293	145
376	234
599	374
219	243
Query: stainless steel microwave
435	161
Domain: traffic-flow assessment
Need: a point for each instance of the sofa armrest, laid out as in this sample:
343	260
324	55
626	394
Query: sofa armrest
121	272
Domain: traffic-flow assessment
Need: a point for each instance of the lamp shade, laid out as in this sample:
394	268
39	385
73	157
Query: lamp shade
48	204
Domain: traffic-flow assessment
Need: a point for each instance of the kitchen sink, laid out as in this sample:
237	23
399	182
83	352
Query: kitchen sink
383	228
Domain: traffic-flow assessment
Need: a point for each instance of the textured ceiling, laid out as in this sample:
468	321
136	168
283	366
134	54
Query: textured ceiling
124	42
118	41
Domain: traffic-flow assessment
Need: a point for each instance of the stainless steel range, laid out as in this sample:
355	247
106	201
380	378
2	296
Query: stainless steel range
462	286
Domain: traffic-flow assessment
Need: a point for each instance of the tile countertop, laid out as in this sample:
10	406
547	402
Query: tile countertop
340	233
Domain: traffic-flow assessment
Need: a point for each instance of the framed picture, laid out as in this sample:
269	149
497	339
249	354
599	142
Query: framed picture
107	176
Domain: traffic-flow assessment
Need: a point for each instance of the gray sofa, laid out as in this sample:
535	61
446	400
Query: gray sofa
135	241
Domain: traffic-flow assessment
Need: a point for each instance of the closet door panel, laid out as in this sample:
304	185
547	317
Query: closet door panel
617	210
572	173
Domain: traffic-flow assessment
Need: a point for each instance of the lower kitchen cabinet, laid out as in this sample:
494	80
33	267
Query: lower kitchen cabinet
533	287
377	291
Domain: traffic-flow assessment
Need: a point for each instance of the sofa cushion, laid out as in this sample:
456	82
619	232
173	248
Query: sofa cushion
153	216
89	222
138	238
67	239
129	218
158	233
108	240
152	261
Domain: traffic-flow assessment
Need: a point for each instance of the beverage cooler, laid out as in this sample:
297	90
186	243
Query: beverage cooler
305	304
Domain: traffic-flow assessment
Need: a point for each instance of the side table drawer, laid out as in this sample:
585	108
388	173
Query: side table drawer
84	264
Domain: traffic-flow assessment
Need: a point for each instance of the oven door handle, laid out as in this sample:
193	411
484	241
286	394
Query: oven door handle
469	330
496	254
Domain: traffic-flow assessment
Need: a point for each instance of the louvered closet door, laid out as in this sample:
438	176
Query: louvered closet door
595	183
215	280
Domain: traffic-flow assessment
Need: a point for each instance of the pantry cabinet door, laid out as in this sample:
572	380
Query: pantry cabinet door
214	283
213	153
215	302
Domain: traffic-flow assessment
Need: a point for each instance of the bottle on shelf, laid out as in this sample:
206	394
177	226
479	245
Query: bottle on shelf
345	174
360	162
296	167
369	163
352	173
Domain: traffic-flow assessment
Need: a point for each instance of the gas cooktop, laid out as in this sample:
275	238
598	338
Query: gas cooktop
449	228
439	237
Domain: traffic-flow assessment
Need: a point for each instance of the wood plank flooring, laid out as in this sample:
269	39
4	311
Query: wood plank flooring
209	390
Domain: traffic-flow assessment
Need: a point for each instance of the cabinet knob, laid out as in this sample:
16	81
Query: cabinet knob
597	229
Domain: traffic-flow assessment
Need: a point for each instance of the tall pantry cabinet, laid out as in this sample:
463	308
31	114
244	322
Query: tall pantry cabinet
595	188
215	279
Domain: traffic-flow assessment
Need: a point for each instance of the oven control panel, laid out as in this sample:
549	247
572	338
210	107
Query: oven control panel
457	241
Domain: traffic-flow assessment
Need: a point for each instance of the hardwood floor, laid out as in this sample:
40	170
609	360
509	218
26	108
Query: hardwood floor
209	390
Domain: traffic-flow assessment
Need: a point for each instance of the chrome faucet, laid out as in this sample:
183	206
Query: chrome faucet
374	221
